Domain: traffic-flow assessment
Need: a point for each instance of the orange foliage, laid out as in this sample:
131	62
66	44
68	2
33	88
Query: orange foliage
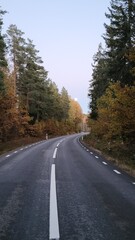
8	116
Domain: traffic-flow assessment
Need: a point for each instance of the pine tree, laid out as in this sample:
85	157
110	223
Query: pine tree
29	74
16	47
33	83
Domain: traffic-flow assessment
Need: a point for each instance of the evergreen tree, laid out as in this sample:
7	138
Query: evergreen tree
3	62
16	47
65	103
33	83
99	81
119	39
55	102
115	62
29	74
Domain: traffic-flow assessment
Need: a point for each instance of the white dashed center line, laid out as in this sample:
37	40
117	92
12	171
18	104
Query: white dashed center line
55	153
58	144
7	156
53	223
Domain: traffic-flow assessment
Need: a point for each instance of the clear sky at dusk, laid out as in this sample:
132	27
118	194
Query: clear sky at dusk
67	34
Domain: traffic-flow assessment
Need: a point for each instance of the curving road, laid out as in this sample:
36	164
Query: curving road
58	189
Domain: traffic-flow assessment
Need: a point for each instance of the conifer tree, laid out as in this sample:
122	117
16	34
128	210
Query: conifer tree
99	81
114	63
119	39
16	48
3	62
64	104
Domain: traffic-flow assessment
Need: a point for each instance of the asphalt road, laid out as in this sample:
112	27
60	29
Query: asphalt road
58	189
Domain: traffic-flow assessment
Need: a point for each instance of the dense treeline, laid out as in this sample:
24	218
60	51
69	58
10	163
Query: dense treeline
30	103
112	90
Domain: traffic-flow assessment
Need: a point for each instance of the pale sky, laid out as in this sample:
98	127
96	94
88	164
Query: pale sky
67	34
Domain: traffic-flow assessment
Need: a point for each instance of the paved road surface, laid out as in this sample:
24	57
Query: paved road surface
57	189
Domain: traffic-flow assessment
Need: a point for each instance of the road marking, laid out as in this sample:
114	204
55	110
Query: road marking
133	183
96	157
15	151
7	156
21	149
55	152
104	163
87	150
91	152
116	171
53	223
58	144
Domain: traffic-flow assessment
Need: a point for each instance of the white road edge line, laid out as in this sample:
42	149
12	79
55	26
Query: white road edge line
53	221
96	157
116	171
7	156
133	183
104	163
91	152
55	152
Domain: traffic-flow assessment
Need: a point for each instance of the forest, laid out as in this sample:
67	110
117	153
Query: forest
31	104
111	88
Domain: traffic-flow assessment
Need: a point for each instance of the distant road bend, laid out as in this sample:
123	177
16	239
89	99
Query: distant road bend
59	189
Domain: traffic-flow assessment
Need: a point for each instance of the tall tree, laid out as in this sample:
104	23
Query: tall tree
29	74
119	39
16	46
99	81
33	83
55	106
65	104
3	62
116	62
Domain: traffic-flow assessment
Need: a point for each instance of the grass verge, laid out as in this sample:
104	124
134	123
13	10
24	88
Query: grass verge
13	144
118	153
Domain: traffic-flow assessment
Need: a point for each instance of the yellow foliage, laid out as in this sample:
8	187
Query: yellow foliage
116	111
75	114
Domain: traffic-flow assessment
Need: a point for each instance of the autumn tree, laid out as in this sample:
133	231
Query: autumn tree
9	117
75	114
117	113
